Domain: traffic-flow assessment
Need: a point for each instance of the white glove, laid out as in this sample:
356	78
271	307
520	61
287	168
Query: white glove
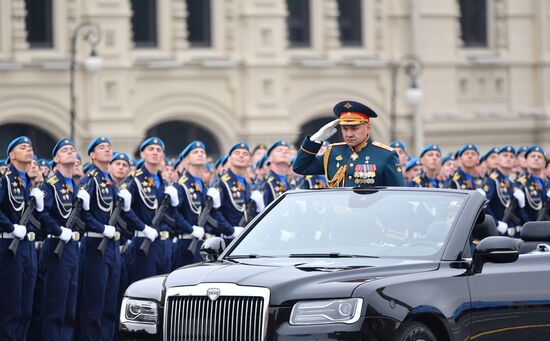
258	199
215	195
198	232
286	236
85	197
109	231
518	194
502	227
325	132
548	194
150	233
238	230
39	197
482	192
66	234
173	193
19	231
127	197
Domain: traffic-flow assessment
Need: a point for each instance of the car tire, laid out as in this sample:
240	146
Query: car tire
415	331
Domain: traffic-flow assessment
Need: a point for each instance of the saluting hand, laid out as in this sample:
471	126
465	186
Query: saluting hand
325	132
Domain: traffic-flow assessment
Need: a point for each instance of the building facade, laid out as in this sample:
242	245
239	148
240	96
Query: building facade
259	70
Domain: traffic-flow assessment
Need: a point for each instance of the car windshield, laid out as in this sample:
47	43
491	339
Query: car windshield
401	224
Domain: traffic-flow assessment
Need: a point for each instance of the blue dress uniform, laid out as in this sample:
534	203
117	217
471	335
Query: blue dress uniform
314	182
17	274
535	190
147	194
234	198
275	185
499	189
461	179
99	276
422	180
369	163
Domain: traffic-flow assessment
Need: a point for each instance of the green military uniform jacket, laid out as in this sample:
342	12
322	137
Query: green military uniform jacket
370	163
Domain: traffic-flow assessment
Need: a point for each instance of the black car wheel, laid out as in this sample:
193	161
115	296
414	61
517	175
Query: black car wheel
415	331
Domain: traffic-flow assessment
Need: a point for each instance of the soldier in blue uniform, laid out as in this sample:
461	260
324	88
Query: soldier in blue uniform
59	274
413	168
261	170
533	184
490	160
99	277
357	161
119	168
401	150
430	158
520	166
277	181
447	169
147	191
500	189
464	176
192	195
17	273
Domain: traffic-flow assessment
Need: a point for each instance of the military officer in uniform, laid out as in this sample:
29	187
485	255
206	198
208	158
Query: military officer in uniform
447	169
401	150
430	158
59	273
192	195
464	176
99	275
490	160
277	181
17	272
357	161
533	184
413	168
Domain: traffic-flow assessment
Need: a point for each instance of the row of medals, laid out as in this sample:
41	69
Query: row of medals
360	176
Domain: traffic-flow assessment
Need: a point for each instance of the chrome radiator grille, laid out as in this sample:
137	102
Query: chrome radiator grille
234	314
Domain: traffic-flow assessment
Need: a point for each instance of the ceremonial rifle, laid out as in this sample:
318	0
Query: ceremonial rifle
113	220
543	212
201	221
157	220
250	209
25	218
72	221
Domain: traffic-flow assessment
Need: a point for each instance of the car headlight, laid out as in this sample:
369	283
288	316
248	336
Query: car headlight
326	311
140	311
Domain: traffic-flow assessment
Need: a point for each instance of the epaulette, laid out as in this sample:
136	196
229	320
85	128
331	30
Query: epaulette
416	179
270	179
124	185
337	144
52	180
226	177
7	172
456	177
383	146
138	172
308	177
92	173
182	180
493	175
513	177
522	179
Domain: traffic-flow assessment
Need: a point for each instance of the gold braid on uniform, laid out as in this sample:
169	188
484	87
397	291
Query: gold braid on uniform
340	174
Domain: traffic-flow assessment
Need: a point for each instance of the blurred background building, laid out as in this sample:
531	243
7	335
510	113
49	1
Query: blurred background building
436	71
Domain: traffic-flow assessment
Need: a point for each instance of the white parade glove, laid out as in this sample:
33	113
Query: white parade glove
173	193
238	230
39	197
198	232
127	197
66	234
85	197
286	236
19	231
548	194
482	192
325	132
518	194
150	233
258	199
215	195
502	227
109	231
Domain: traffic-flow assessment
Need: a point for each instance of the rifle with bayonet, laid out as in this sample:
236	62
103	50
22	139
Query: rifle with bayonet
201	221
249	212
160	217
115	219
26	217
509	216
72	221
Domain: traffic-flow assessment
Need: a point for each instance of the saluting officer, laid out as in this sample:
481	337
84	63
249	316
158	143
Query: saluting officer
357	161
59	273
430	158
99	275
148	191
17	273
277	181
464	176
533	184
192	195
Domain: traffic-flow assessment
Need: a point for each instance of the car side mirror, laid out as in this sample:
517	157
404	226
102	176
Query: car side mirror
212	248
495	249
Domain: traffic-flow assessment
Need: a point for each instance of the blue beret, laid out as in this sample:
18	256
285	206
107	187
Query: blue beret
177	162
97	142
87	167
139	163
467	147
507	148
277	143
239	145
522	150
208	167
398	144
221	161
2	162
60	144
412	163
17	141
429	148
446	158
191	146
534	149
150	141
35	158
493	150
351	113
261	162
43	163
78	157
120	156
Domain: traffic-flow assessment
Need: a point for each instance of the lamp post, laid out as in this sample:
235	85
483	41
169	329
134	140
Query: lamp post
91	33
412	66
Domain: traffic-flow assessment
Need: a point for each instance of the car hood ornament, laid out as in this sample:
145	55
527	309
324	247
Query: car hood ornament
213	293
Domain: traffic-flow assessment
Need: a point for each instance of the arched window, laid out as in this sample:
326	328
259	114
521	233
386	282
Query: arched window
42	141
39	22
473	22
199	23
144	23
298	22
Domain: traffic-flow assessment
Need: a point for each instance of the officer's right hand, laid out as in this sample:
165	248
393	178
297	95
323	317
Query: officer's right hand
109	231
238	230
215	195
150	233
85	197
66	234
19	231
502	227
325	132
198	232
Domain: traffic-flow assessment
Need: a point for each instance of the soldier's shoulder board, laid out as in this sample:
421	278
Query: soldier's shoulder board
522	179
456	177
52	180
182	180
138	173
226	177
337	144
92	173
493	175
383	146
513	177
416	179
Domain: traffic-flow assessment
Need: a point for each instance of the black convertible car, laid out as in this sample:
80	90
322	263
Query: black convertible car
356	264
